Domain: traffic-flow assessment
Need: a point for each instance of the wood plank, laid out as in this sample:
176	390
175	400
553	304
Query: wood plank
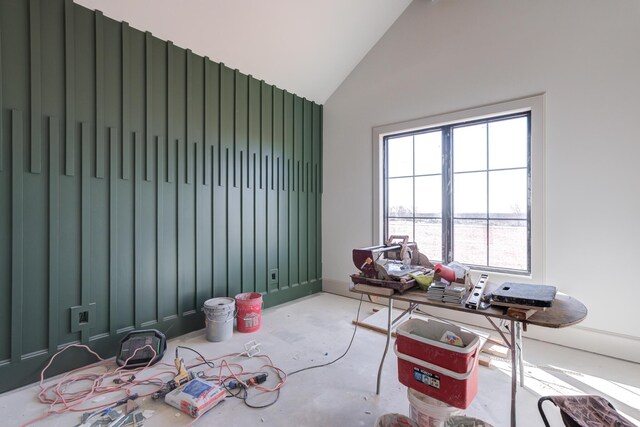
520	314
377	290
1	108
100	129
180	228
495	349
17	234
126	104
372	327
148	103
36	86
137	229
189	84
70	81
207	137
85	245
171	143
54	231
113	231
159	224
485	360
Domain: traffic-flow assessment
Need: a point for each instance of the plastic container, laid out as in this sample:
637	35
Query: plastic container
427	411
249	311
445	272
395	420
440	370
219	314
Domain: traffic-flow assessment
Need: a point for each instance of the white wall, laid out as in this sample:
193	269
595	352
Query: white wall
456	54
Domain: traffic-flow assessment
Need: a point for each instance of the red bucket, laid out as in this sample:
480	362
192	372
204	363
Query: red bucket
249	306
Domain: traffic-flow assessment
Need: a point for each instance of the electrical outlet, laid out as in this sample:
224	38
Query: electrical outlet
273	275
82	316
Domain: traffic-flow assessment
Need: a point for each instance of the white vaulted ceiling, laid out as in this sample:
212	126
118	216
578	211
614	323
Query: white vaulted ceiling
306	47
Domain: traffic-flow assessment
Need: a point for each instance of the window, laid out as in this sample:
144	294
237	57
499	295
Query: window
463	189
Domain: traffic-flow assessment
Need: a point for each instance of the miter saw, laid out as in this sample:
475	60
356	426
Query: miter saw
391	265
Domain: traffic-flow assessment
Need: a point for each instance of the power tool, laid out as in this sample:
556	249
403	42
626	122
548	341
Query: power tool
182	377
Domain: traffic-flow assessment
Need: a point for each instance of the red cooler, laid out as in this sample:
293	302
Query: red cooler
438	369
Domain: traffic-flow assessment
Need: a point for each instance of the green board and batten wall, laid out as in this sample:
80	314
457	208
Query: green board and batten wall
137	180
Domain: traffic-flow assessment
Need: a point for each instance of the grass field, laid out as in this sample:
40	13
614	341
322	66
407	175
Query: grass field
500	244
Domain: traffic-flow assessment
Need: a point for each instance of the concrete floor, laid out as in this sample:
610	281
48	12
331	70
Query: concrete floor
316	330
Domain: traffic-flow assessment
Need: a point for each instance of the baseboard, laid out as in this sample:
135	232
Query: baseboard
607	343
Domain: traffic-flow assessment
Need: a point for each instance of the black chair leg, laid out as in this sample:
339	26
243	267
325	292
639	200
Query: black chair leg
544	418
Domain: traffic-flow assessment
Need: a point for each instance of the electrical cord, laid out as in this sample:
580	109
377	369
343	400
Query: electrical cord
204	360
343	354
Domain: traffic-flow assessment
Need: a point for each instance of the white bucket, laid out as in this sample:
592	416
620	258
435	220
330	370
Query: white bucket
427	411
394	420
219	314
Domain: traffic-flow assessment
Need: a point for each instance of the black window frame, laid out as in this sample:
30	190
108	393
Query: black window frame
448	190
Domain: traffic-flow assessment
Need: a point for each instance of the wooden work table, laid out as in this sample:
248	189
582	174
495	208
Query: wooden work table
565	311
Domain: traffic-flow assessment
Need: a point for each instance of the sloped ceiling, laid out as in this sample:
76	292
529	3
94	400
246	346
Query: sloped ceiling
306	47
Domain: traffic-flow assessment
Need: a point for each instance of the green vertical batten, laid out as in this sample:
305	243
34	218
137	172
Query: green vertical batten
278	139
206	127
191	149
227	113
1	107
171	154
266	133
320	143
188	113
254	94
213	119
148	67
17	234
137	228
148	169
69	83
198	216
319	229
313	208
159	224
126	103
100	128
295	145
113	230
303	205
85	170
234	121
54	231
36	86
180	226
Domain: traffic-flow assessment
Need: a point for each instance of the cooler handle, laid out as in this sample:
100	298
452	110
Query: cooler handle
432	367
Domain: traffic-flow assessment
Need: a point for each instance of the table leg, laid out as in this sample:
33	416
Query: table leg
386	348
520	355
514	372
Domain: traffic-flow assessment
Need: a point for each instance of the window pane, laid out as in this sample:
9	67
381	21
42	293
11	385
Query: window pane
428	149
470	241
400	197
470	148
508	244
508	194
470	195
400	156
429	196
508	143
400	227
429	238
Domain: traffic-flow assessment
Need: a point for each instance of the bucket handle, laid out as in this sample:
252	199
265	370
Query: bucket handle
235	314
440	369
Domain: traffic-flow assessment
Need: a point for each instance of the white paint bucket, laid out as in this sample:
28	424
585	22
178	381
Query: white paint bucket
427	411
219	314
